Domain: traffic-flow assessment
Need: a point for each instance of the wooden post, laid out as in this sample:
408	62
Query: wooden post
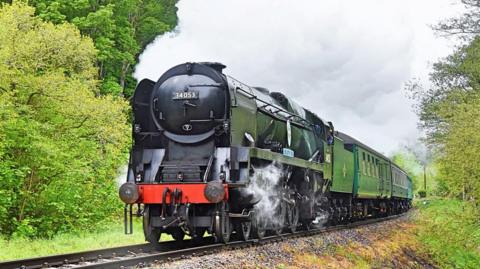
425	178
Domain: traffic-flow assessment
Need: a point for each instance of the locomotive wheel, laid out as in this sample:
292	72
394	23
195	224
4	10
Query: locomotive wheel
152	235
223	225
259	227
178	234
282	214
243	230
199	232
293	215
307	225
278	230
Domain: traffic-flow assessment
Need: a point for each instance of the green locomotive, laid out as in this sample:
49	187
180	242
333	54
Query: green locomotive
202	140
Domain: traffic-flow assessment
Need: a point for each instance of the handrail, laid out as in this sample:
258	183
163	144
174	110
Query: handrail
279	109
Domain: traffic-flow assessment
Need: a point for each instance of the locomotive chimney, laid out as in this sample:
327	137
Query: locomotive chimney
215	65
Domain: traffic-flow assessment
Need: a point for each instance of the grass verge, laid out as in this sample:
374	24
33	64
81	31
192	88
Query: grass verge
108	236
386	247
449	231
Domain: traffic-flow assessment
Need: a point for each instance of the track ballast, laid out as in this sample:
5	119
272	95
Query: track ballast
142	255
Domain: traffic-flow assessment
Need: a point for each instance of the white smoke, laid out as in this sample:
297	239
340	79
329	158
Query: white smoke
265	184
321	219
335	53
122	175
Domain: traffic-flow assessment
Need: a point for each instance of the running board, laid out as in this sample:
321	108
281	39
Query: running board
278	157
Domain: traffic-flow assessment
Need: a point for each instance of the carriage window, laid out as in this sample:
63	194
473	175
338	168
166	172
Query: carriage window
364	172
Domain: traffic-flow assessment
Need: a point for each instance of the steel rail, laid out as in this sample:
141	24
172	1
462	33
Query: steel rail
93	255
144	254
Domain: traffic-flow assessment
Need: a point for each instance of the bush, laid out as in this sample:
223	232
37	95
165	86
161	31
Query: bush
450	231
422	194
60	142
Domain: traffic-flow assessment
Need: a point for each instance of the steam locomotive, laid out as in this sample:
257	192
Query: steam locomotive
201	140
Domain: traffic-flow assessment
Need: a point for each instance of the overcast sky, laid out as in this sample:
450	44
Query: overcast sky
347	61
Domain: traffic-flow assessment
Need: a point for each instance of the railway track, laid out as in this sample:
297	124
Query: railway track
141	255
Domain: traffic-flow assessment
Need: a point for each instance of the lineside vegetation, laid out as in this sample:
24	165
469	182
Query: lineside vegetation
449	110
65	74
120	30
449	233
61	143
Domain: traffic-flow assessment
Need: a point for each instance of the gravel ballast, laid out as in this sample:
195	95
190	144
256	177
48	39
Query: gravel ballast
379	245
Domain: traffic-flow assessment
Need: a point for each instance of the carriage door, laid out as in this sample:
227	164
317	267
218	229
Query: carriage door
381	176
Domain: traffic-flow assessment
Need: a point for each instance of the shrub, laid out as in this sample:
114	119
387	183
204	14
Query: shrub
60	142
422	194
450	231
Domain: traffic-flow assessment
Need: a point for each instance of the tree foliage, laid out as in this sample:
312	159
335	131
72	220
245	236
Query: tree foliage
465	26
407	161
61	142
120	29
449	110
414	160
459	162
454	80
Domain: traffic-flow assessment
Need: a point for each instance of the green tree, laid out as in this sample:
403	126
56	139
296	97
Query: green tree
407	161
454	80
120	29
61	142
465	26
415	160
459	163
449	108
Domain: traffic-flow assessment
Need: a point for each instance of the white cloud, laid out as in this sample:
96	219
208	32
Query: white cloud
344	60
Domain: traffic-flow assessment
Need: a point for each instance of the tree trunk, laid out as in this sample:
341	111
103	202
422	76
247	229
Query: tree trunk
21	214
123	76
425	178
